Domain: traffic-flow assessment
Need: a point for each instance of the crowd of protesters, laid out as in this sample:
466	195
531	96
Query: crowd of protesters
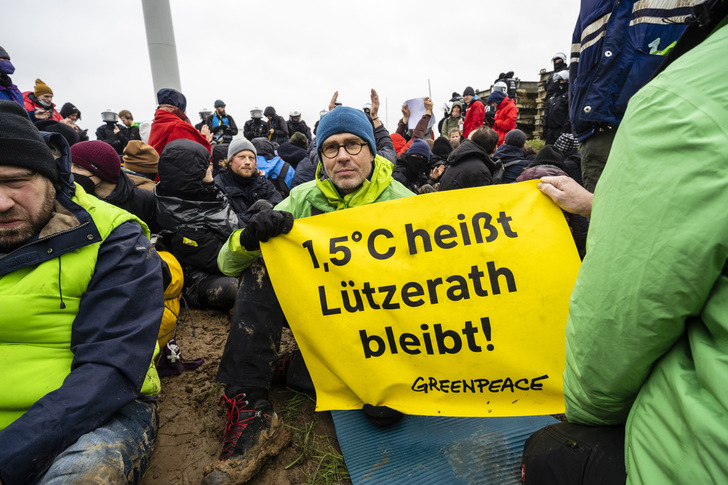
211	193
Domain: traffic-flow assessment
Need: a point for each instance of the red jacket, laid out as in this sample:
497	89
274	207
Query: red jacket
505	118
31	106
474	117
168	126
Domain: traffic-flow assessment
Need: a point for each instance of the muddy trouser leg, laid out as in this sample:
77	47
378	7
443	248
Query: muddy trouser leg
573	454
217	291
594	154
255	332
116	453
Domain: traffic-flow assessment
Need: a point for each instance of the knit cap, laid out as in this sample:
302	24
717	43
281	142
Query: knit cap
41	88
566	142
469	91
238	145
300	140
140	157
515	138
343	119
99	158
4	54
420	147
219	103
21	144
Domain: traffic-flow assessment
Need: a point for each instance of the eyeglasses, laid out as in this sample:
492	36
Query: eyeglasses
352	147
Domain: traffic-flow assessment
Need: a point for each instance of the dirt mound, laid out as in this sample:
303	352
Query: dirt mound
191	422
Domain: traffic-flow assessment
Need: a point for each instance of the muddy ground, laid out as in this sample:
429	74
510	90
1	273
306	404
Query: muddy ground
191	422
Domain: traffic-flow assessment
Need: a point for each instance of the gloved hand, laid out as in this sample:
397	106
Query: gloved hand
381	415
265	225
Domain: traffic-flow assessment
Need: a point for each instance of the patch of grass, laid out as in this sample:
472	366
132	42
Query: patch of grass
292	406
537	145
315	450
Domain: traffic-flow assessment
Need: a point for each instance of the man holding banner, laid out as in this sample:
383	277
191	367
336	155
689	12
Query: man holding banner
350	174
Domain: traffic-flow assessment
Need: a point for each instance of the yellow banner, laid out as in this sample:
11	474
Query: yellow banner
443	304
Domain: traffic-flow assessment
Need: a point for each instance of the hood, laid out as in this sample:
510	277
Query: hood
549	156
62	153
291	153
216	215
269	111
264	148
182	166
508	153
469	150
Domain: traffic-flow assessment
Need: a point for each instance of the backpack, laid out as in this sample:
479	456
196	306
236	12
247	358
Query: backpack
279	182
500	170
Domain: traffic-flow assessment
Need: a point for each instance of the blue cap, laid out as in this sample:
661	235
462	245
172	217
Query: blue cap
173	97
343	119
496	97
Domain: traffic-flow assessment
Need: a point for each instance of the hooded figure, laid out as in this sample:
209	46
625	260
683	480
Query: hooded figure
171	123
8	90
277	126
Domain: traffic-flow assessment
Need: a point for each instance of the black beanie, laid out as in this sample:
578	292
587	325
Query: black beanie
4	53
21	144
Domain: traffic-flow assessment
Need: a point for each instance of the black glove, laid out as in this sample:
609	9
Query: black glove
381	416
265	225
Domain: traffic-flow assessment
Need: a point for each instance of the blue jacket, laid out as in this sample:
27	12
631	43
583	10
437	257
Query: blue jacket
615	50
113	334
272	168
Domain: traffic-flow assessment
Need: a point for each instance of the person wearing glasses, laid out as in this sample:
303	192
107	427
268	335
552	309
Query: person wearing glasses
350	173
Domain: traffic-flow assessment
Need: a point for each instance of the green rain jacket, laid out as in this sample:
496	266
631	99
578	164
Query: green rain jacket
647	336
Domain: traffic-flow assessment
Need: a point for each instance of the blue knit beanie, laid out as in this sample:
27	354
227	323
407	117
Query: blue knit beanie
173	97
420	147
496	97
343	119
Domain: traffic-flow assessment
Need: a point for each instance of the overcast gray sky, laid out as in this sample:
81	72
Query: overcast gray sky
286	54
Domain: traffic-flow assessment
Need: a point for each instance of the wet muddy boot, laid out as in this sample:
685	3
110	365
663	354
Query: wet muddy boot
253	433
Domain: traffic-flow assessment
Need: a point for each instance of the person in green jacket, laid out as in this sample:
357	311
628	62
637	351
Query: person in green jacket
647	334
350	174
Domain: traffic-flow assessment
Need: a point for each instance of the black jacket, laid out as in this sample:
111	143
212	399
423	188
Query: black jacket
244	192
119	140
139	202
514	159
292	154
255	128
196	219
556	116
468	166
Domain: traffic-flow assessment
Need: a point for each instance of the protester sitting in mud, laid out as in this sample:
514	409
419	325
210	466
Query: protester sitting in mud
241	181
195	219
81	296
350	174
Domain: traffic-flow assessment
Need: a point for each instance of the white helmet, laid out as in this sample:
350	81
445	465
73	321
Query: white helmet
256	113
109	116
561	75
367	106
500	86
294	113
559	55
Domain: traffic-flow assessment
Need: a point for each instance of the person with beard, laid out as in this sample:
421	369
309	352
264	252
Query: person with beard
195	220
556	116
39	103
221	125
97	168
241	181
171	123
81	294
8	90
470	165
255	127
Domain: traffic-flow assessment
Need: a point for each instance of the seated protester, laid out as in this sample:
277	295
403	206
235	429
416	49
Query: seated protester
510	154
96	167
82	297
295	150
71	115
242	182
196	219
350	174
39	103
469	165
413	167
549	155
141	160
569	146
171	122
273	167
219	153
306	168
422	129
